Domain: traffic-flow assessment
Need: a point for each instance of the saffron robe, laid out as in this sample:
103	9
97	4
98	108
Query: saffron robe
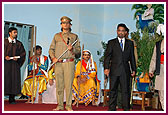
40	80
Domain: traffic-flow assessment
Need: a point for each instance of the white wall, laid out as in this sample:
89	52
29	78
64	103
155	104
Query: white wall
92	22
91	30
113	15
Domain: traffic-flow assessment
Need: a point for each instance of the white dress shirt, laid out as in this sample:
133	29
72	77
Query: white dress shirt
10	40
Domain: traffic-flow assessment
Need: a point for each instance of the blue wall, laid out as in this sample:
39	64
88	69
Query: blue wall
92	22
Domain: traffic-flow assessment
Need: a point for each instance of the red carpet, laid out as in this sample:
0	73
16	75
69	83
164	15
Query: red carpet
22	106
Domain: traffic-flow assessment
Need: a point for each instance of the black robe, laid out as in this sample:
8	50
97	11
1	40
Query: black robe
12	79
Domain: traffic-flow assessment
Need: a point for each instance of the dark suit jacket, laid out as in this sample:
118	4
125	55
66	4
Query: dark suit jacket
115	59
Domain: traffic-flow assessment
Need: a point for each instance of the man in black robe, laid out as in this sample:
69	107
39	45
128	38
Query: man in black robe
14	57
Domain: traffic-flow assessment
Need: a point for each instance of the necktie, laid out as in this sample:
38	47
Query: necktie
121	44
12	42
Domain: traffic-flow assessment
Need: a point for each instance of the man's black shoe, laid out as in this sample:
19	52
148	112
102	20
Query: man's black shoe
23	97
12	102
111	109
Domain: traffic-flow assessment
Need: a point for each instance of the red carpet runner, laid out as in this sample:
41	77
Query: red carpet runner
22	106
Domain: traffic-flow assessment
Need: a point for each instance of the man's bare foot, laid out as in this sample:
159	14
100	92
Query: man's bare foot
40	99
57	109
69	109
28	101
74	103
85	105
95	103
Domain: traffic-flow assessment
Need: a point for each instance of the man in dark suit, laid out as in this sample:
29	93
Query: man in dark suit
117	55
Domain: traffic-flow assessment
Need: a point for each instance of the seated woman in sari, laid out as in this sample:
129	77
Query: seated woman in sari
89	84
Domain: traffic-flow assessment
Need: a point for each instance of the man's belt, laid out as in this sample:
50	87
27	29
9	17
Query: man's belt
65	60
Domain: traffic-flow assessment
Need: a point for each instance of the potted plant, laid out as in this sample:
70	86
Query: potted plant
145	45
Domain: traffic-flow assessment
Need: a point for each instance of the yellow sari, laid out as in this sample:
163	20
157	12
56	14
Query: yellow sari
89	90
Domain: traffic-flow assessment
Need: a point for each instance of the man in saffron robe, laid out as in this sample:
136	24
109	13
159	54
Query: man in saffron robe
40	80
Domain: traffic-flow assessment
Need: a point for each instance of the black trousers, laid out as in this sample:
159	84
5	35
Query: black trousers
119	96
124	81
11	98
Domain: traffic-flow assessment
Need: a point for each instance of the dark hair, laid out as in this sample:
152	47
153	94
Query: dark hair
38	47
127	30
88	53
11	29
122	25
